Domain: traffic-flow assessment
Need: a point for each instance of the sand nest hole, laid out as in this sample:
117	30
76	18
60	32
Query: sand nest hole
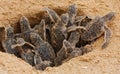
57	38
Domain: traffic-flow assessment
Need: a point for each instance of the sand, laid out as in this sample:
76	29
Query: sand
99	61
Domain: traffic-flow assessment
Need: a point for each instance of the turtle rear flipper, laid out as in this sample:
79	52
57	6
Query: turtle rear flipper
43	65
107	35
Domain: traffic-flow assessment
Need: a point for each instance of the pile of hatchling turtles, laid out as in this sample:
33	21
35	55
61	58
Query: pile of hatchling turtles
55	39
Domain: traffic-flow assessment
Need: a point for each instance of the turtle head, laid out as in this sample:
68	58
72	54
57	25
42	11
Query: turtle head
24	24
72	10
64	19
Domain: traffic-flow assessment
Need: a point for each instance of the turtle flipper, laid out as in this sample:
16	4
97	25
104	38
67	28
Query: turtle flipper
40	29
106	37
52	14
108	16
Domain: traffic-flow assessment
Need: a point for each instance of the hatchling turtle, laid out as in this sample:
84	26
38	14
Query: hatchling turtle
97	27
26	50
58	32
26	29
63	53
9	40
44	48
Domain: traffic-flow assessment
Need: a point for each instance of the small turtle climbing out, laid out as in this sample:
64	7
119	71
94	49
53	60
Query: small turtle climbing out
58	33
97	27
63	53
9	40
72	12
44	48
26	50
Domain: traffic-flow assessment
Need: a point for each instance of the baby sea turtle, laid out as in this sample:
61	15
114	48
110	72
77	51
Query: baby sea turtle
26	29
25	49
44	48
96	28
63	53
58	32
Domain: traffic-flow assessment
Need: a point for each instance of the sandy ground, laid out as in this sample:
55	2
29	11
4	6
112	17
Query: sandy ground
98	61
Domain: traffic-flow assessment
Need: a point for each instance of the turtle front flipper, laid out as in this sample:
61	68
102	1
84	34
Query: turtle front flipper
52	14
107	35
108	16
40	29
24	24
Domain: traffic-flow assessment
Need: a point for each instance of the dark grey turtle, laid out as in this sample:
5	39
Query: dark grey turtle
26	50
96	28
44	48
72	11
9	40
63	53
40	29
58	33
